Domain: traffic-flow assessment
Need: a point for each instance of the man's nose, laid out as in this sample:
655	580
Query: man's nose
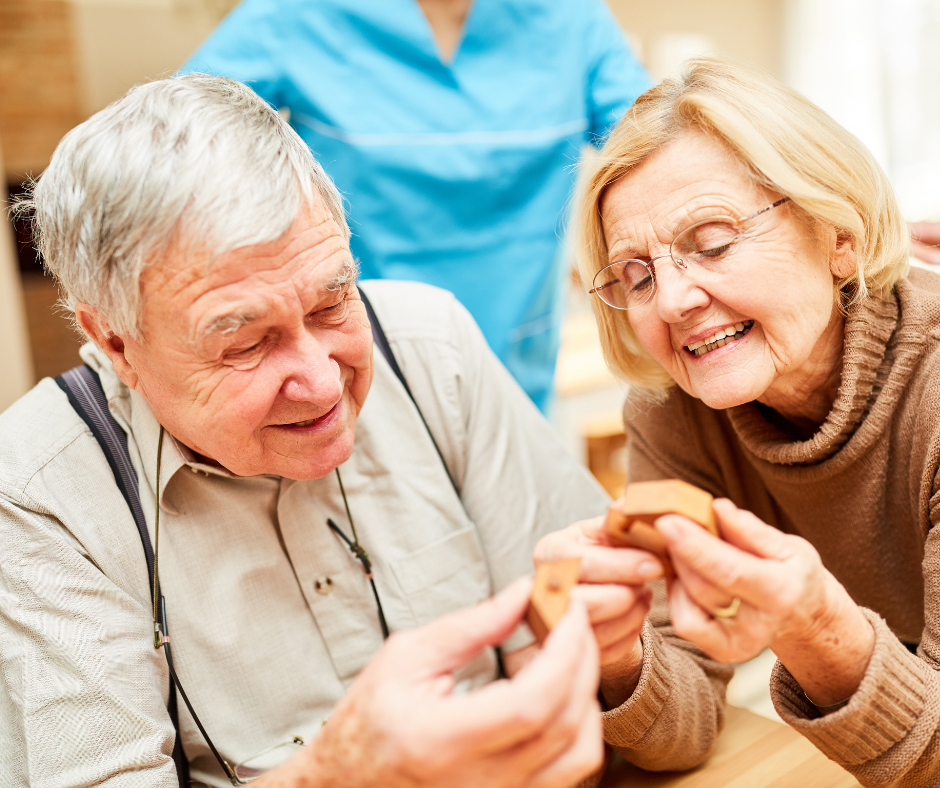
677	293
313	375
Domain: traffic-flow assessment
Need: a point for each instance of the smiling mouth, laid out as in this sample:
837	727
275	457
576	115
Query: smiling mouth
309	422
720	338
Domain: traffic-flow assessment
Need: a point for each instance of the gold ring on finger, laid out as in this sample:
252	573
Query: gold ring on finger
729	611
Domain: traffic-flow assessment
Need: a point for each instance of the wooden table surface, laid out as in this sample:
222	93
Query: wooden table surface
752	752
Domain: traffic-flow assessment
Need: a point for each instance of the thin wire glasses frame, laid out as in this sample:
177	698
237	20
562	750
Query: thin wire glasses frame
630	283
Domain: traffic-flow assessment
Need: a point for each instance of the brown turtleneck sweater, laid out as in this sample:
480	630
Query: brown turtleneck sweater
864	490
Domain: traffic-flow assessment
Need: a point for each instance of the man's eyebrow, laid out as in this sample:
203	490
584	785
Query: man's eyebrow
345	277
229	324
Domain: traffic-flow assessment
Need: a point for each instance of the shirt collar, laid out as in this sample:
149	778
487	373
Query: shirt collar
132	412
869	328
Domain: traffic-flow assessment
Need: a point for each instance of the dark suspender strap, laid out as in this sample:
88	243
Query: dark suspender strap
83	388
381	342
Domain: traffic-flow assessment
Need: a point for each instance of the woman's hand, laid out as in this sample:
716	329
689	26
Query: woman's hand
612	585
788	601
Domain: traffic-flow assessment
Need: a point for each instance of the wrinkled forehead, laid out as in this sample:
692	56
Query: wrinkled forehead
690	178
201	291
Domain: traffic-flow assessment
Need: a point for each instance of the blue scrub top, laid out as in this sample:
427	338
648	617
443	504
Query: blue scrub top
456	173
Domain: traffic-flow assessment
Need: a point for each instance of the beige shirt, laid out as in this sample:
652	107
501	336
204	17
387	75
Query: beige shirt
262	654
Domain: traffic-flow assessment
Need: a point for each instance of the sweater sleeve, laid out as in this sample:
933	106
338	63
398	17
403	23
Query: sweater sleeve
889	732
678	708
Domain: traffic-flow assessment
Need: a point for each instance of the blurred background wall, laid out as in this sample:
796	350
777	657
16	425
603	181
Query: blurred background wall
14	355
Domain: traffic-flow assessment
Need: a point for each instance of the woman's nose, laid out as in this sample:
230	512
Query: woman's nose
677	293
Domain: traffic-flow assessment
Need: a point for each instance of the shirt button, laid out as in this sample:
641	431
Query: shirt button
323	585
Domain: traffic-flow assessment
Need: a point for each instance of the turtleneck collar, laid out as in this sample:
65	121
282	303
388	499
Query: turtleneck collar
869	328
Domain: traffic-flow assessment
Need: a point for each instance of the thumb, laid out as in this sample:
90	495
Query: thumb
748	532
451	641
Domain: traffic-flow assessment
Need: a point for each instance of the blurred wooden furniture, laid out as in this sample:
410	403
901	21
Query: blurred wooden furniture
752	752
14	351
606	447
589	403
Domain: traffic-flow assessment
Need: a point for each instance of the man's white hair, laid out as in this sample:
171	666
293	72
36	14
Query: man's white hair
195	162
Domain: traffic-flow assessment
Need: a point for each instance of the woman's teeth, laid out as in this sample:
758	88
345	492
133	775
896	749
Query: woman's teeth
720	338
303	423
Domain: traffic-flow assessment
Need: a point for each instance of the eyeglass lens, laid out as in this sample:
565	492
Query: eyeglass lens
628	284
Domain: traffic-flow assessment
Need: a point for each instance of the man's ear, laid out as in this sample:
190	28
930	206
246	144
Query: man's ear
97	327
843	261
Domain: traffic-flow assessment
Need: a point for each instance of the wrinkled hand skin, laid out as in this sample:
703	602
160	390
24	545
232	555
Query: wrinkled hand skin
612	585
789	601
400	726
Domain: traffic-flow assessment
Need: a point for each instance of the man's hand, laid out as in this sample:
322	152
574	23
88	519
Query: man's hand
612	586
925	239
401	726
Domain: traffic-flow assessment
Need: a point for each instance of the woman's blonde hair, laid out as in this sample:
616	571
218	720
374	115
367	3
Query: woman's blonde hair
789	144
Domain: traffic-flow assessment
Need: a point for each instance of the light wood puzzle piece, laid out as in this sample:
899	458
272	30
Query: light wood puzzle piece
550	594
630	520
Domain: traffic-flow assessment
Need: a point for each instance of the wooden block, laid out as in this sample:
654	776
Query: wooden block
549	600
630	521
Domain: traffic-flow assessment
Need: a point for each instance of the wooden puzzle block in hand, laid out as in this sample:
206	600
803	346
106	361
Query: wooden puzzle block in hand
630	520
550	594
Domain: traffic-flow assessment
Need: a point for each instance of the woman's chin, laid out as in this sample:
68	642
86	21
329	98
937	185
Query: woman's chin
724	396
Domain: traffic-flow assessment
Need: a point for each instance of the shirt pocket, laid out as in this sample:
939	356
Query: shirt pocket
443	576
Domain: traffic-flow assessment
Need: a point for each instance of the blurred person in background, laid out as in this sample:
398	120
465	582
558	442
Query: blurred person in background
451	127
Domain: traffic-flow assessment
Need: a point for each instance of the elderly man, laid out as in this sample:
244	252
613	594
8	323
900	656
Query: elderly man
205	254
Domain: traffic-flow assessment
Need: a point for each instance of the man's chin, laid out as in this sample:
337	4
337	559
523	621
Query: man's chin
312	464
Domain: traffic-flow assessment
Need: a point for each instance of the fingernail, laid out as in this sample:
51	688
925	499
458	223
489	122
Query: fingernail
667	527
649	570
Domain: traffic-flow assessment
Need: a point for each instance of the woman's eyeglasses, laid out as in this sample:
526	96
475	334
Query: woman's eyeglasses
706	245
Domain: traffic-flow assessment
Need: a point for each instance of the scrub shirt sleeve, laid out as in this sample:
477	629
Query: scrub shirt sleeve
246	47
615	78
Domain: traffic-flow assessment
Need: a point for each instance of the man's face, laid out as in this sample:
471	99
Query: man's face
261	359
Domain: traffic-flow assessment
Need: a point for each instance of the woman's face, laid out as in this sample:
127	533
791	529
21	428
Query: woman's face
778	281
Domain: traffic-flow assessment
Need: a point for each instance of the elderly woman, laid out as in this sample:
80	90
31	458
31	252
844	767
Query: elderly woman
749	266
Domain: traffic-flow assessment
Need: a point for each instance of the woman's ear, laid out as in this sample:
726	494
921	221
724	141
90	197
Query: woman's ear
843	261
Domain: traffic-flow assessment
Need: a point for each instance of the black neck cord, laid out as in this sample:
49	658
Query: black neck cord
357	550
160	636
161	639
